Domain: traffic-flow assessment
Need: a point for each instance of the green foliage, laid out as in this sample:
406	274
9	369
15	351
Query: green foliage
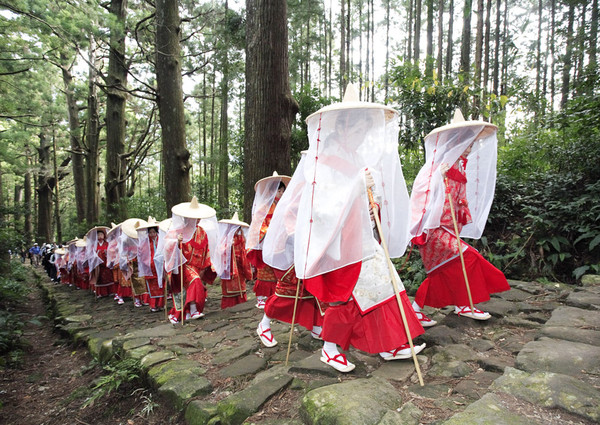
546	215
309	100
12	291
117	373
426	102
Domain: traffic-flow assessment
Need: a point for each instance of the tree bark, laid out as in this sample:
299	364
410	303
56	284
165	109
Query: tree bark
93	140
417	48
465	52
567	58
224	131
429	58
449	49
270	108
28	227
170	104
342	47
45	185
593	48
440	53
478	57
116	99
77	152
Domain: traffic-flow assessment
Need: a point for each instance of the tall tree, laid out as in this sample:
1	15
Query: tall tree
440	57
568	58
45	186
429	58
269	108
417	47
77	151
175	155
465	51
478	59
92	139
449	49
116	99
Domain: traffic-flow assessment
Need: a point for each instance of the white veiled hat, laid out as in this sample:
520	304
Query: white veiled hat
193	209
275	176
234	220
458	121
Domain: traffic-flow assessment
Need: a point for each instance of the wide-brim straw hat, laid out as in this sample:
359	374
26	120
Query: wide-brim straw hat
165	224
351	101
96	228
193	209
60	251
72	241
150	223
458	121
130	226
80	243
234	220
284	179
113	227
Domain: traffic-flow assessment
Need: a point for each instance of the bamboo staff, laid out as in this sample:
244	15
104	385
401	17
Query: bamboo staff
396	290
287	356
166	302
460	252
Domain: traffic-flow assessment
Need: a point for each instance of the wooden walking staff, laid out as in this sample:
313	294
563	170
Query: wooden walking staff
460	251
393	277
182	300
287	356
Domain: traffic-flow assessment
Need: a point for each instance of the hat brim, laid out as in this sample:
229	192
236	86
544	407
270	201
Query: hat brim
234	222
128	226
488	128
60	251
148	225
80	243
185	210
165	224
105	228
340	106
284	179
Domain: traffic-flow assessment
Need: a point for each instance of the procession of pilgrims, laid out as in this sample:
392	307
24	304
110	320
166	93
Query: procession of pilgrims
320	243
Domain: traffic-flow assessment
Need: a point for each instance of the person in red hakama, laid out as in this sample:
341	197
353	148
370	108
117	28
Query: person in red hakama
268	193
456	155
147	244
236	267
194	228
101	277
336	249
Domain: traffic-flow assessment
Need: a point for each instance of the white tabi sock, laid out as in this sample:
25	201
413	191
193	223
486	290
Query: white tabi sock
265	323
330	348
416	307
193	308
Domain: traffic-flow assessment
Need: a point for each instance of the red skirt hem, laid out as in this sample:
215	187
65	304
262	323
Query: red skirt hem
446	285
282	309
378	330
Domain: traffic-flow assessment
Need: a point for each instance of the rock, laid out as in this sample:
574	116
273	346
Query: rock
164	372
140	352
230	354
514	294
530	287
476	385
498	307
495	364
237	407
454	352
433	391
399	370
584	299
440	335
244	366
160	331
481	345
489	410
451	369
565	357
520	322
199	412
360	401
590	280
130	344
574	317
183	387
409	414
155	358
552	390
586	336
313	365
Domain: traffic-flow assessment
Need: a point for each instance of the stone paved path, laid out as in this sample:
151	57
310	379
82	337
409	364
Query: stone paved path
537	361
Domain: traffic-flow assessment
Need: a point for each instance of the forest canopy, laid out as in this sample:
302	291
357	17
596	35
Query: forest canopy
85	96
